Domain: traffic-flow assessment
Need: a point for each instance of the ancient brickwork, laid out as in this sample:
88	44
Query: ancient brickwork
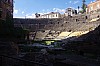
6	6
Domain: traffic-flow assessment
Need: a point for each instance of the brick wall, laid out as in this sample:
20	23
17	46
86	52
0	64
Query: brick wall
4	6
2	10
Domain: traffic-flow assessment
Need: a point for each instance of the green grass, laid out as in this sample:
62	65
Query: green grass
46	42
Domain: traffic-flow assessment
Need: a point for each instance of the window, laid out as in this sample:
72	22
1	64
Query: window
56	15
91	8
52	15
0	12
5	0
0	4
8	1
11	1
0	15
98	5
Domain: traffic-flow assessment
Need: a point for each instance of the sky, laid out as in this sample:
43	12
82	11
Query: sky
28	8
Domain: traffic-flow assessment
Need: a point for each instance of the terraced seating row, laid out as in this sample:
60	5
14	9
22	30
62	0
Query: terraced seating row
40	35
69	24
61	26
52	35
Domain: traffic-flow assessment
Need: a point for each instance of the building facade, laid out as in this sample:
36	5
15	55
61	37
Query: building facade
70	12
6	9
93	7
51	15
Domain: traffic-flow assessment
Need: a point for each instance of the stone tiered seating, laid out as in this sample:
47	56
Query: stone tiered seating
75	23
52	35
40	35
